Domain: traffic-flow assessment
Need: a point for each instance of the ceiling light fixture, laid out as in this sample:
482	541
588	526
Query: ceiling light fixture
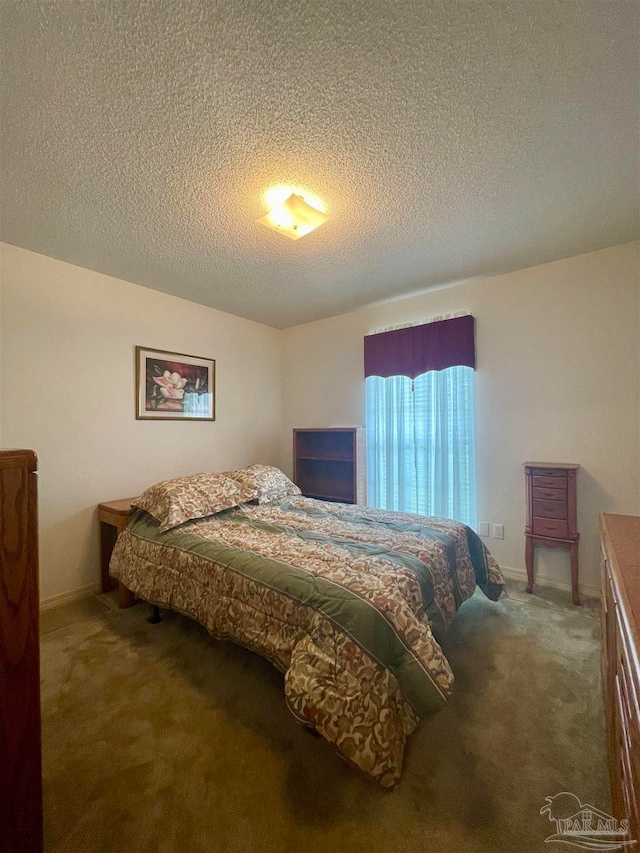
294	217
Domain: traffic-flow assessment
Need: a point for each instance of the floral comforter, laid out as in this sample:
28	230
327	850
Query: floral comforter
348	601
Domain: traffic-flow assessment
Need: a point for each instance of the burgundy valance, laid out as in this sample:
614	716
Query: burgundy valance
417	349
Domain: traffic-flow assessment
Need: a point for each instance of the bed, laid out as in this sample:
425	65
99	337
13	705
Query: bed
349	602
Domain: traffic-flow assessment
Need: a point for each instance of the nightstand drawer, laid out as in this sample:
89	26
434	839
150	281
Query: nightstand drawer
540	482
550	509
550	494
552	527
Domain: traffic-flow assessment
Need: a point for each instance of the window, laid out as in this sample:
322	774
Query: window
420	444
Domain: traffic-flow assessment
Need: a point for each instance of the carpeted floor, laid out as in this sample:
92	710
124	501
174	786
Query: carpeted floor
159	738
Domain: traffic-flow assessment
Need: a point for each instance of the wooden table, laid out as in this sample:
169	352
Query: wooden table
113	516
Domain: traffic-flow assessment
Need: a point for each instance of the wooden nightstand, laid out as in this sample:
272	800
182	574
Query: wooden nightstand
113	516
552	514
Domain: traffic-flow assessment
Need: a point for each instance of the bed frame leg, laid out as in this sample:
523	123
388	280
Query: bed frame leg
155	617
125	597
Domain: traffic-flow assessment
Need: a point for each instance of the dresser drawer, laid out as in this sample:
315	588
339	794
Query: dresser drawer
552	527
628	797
556	473
629	677
541	482
550	509
550	494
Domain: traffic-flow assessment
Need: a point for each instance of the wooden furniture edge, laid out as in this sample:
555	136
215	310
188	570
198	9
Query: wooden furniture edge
554	466
126	598
624	604
327	429
113	514
620	668
120	505
561	542
21	827
26	459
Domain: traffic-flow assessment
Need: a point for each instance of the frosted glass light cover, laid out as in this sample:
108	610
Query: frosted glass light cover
294	217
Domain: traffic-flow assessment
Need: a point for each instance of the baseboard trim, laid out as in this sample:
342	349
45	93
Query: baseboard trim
68	597
545	580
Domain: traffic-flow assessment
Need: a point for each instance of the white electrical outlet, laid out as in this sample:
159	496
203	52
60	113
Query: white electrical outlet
483	528
498	531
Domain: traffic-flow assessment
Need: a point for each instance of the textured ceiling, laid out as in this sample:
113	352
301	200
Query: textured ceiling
447	140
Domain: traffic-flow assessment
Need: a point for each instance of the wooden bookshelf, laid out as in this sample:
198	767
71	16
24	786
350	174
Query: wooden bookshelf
329	464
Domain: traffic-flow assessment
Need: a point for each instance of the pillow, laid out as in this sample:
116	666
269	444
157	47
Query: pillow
173	502
266	482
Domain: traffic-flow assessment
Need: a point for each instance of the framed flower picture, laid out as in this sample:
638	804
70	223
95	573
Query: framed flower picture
172	386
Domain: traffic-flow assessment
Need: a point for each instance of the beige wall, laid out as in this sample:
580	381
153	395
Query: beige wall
557	380
68	338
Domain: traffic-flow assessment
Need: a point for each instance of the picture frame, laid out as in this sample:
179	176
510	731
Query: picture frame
172	386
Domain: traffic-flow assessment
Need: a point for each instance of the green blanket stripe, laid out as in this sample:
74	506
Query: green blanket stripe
477	549
354	615
413	564
399	527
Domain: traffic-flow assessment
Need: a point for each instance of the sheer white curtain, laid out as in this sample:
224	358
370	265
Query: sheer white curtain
420	448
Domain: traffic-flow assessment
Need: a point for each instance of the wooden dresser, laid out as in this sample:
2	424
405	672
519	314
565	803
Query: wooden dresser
20	762
329	464
620	559
552	514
